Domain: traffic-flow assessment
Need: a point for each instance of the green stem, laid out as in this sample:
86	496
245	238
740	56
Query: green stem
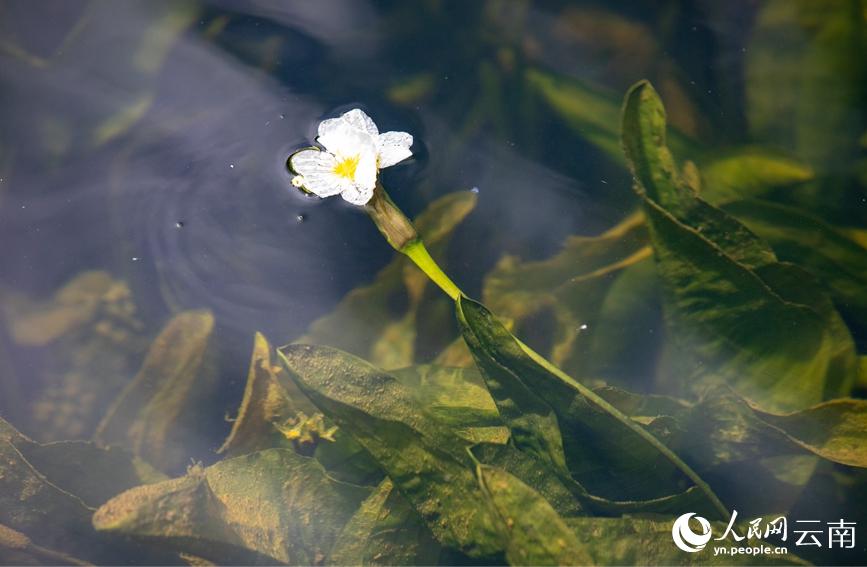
418	253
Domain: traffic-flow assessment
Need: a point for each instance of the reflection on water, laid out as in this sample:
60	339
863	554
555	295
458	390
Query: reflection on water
143	148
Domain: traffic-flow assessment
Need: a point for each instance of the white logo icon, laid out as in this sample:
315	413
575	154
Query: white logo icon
685	538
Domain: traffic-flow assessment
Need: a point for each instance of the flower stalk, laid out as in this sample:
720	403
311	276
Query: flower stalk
401	234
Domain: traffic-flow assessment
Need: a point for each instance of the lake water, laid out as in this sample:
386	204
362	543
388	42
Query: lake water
147	141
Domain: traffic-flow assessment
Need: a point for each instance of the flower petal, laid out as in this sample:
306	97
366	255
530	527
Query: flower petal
393	147
365	171
357	195
344	140
317	171
359	120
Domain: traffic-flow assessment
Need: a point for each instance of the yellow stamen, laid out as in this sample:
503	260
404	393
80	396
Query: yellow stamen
346	167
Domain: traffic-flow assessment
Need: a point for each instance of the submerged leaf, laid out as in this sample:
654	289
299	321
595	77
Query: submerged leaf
592	112
736	313
835	430
609	454
40	511
458	398
537	535
747	172
86	470
156	416
422	456
273	504
17	549
265	404
385	530
830	254
29	503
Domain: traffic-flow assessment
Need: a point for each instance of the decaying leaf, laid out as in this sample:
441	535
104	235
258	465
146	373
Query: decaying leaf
266	403
30	504
17	549
273	504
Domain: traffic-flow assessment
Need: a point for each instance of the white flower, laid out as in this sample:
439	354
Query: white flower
354	153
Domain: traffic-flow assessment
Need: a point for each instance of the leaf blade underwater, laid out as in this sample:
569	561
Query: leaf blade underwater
272	504
592	426
424	459
735	312
385	530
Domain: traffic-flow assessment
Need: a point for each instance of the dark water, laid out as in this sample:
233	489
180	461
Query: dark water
148	140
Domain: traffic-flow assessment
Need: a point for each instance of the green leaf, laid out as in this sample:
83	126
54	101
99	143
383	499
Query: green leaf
804	89
382	322
458	398
385	530
422	456
835	430
747	172
592	112
564	494
531	420
605	450
537	535
736	314
158	414
274	505
804	239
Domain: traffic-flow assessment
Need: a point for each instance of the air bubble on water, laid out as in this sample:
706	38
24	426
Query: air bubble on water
474	190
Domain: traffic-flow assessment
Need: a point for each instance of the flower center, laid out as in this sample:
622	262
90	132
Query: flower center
346	167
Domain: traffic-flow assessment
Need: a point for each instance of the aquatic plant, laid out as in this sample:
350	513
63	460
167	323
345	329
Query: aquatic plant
700	357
